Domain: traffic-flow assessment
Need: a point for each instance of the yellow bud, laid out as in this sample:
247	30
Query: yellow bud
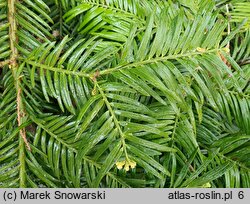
207	185
93	92
199	49
119	165
132	164
126	166
226	49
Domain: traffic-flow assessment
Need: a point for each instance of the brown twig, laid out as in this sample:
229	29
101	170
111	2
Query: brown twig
13	64
228	26
20	116
227	48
